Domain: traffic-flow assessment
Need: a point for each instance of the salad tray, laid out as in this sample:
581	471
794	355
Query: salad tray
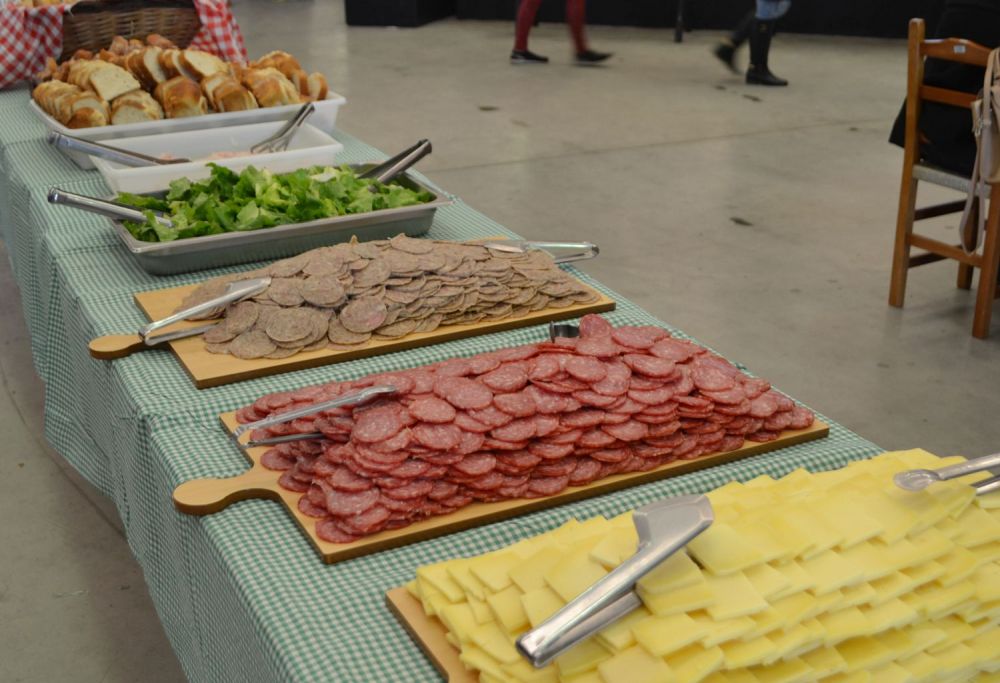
212	251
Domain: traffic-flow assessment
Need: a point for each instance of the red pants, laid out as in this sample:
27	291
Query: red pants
576	16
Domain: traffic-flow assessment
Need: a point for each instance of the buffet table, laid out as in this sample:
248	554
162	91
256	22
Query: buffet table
241	593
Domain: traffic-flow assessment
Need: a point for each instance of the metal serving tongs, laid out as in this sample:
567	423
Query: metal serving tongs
664	527
918	480
114	346
580	250
103	207
394	166
280	140
115	154
352	399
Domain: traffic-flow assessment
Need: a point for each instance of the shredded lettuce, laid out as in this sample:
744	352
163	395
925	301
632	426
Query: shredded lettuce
256	199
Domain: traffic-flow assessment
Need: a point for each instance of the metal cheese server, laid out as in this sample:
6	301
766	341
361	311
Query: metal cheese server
664	527
918	480
113	346
351	399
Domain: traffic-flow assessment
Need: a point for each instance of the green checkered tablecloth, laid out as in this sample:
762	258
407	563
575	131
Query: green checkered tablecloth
241	594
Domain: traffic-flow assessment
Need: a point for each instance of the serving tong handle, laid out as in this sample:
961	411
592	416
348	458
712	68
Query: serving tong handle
353	398
116	154
664	527
103	207
235	291
279	141
580	250
919	479
395	165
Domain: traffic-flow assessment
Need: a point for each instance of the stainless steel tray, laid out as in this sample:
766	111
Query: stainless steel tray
212	251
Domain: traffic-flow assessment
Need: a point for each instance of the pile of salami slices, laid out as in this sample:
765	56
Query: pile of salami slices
522	422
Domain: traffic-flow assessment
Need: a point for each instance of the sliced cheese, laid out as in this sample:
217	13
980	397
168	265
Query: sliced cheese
618	636
663	635
508	609
581	658
540	604
733	596
635	665
695	662
722	550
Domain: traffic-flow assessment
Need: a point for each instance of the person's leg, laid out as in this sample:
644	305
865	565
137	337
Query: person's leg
576	18
526	13
726	48
768	13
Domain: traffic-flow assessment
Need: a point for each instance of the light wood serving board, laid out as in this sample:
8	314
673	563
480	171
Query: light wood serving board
428	633
212	369
205	496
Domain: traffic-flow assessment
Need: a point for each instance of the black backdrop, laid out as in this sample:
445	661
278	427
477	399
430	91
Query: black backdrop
880	18
885	18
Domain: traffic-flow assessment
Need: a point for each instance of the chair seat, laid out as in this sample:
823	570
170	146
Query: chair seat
939	176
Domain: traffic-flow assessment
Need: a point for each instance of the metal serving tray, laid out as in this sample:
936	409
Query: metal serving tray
212	251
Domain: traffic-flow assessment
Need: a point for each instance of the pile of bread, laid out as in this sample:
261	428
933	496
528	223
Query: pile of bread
43	3
135	81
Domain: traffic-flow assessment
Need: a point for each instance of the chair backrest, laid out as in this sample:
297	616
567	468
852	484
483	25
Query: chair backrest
949	49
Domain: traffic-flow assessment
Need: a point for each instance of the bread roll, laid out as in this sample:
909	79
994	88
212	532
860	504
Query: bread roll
280	60
270	87
110	80
135	107
156	40
181	97
202	64
231	96
119	45
87	118
318	89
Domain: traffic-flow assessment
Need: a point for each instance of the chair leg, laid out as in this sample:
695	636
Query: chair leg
988	271
904	228
970	236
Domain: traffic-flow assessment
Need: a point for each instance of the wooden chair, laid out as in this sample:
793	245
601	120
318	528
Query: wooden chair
914	170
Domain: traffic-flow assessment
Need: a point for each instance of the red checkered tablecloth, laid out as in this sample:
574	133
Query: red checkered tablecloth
30	35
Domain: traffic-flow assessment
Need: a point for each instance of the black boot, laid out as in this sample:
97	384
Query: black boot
760	46
725	50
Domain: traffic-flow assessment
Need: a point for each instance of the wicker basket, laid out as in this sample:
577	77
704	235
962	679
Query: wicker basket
91	24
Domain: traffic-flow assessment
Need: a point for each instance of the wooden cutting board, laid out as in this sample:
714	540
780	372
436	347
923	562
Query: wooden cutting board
428	633
212	369
205	496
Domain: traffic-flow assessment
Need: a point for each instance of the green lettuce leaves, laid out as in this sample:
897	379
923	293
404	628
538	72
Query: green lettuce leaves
257	199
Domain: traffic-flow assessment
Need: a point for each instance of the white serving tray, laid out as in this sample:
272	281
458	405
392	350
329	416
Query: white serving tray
324	118
309	147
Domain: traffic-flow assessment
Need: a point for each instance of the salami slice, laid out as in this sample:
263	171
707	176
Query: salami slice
611	455
487	482
763	436
676	350
731	443
453	367
517	461
599	347
555	468
366	522
470	442
377	424
651	366
615	382
328	530
596	438
484	363
544	367
802	418
310	509
550	451
586	368
438	437
638	337
742	408
506	378
627	431
441	490
754	386
709	378
432	409
561	437
586	471
546	486
291	483
764	406
592	325
778	422
517	353
517	430
463	393
476	465
343	479
545	425
584	417
467	424
275	460
393	444
418	488
348	503
732	396
521	404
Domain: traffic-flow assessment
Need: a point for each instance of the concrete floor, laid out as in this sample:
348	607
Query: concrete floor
758	220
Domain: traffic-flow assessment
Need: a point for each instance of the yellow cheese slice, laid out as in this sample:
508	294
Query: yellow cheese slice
987	582
719	632
797	577
493	570
676	572
734	596
890	614
858	594
684	599
722	550
523	672
767	581
635	665
738	654
461	572
852	524
615	548
480	610
936	601
987	552
978	527
864	653
959	564
581	658
855	677
540	604
573	574
955	661
791	671
977	611
694	662
435	603
824	661
618	636
869	559
507	609
759	534
831	572
476	659
494	642
792	532
459	620
891	587
589	677
891	673
663	635
986	645
843	625
924	573
955	631
897	521
437	576
791	640
530	574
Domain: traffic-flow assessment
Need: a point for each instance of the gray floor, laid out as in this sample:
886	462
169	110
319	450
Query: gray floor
758	220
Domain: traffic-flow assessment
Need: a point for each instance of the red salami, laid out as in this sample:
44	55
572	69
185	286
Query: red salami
463	393
507	378
586	368
676	350
600	347
432	409
521	429
615	382
476	465
594	326
464	422
439	437
521	404
347	503
377	424
651	366
638	337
